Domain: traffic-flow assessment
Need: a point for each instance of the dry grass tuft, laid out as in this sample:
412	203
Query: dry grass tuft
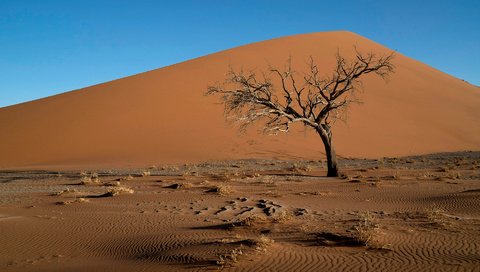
66	191
232	256
263	243
68	202
437	216
114	183
119	190
251	221
443	169
221	189
267	180
282	217
454	175
129	177
92	180
229	258
366	231
224	177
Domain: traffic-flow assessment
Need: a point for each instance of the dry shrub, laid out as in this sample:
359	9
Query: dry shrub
173	168
454	175
66	191
274	194
314	193
298	168
251	220
190	170
221	189
129	177
267	180
426	175
293	178
224	177
437	216
119	190
282	217
260	244
68	202
230	257
443	169
263	243
366	231
114	183
92	180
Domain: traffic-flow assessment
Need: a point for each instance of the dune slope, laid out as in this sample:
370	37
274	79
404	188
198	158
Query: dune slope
162	116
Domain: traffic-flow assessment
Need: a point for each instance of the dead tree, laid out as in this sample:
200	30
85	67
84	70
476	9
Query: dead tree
312	99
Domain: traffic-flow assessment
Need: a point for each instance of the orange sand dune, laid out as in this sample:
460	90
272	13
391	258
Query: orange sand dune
162	116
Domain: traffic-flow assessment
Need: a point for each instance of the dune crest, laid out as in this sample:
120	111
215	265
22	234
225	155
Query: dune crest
162	116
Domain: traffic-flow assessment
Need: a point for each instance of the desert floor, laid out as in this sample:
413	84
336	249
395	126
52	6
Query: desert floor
418	213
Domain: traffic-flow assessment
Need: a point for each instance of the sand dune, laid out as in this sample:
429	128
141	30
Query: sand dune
162	116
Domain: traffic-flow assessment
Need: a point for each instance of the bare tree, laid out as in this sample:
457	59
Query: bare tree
313	99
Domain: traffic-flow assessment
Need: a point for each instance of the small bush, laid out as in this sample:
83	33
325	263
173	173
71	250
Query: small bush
221	189
89	180
119	190
366	230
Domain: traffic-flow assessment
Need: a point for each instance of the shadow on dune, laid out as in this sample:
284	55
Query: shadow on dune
107	194
326	239
226	226
181	250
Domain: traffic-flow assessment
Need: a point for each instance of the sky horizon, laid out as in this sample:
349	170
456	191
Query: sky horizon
51	47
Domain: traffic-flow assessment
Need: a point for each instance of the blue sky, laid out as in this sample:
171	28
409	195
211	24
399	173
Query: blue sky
48	47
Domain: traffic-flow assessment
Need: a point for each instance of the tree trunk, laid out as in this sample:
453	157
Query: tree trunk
326	135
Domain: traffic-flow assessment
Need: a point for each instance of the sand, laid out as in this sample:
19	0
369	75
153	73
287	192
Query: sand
162	116
396	214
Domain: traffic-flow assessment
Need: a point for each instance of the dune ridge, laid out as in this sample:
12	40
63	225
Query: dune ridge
162	116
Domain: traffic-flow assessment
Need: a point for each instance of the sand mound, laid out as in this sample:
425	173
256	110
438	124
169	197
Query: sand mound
162	116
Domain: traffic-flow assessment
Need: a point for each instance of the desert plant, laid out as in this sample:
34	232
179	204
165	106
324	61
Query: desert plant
250	221
263	242
316	103
436	216
366	230
230	257
66	191
86	180
119	190
129	177
77	200
221	189
114	183
282	217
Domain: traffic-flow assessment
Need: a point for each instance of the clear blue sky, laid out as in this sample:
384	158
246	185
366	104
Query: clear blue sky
48	47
